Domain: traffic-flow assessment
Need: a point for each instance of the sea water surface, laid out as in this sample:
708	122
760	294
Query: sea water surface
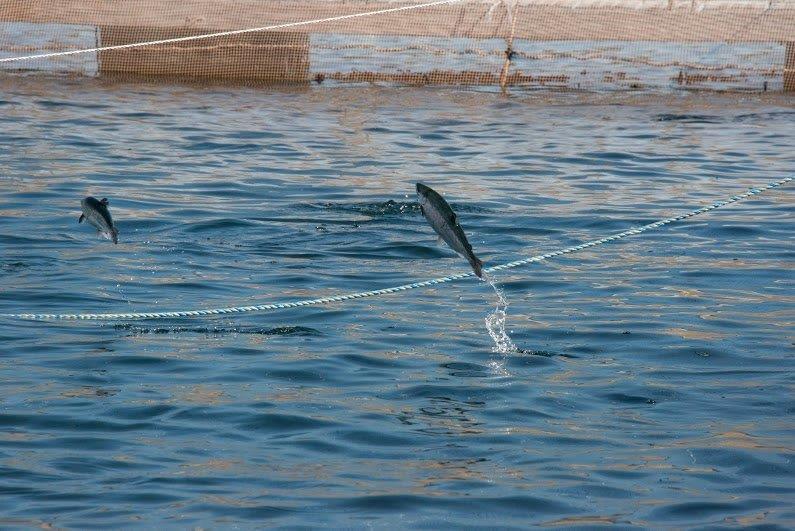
651	386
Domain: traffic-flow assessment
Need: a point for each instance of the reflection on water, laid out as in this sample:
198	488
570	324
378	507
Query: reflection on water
653	377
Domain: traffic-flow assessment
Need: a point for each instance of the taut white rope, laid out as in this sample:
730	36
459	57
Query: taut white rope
385	291
230	32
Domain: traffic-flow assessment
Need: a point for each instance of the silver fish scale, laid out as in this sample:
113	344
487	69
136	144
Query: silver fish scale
395	289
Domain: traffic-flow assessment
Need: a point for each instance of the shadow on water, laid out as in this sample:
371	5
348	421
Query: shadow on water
301	331
443	415
387	208
375	210
546	354
689	118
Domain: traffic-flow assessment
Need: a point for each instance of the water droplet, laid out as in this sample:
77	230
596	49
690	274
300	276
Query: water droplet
495	324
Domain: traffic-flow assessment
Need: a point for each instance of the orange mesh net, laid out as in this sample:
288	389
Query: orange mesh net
744	45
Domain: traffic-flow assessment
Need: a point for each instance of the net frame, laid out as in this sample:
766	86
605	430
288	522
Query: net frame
662	43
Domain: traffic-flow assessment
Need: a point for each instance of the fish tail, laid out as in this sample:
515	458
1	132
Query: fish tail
477	265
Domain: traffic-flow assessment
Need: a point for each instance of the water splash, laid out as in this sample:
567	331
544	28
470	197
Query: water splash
495	323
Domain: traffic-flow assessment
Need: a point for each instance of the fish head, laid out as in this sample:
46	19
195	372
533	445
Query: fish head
423	190
90	202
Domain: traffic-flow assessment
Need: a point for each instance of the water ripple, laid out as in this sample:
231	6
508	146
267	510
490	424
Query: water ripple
649	383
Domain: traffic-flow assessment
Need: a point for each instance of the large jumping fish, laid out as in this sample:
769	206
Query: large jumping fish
445	223
97	214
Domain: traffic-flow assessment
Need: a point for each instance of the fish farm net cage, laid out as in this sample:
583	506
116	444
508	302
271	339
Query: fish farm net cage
563	45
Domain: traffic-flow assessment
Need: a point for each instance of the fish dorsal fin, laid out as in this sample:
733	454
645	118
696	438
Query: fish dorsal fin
104	201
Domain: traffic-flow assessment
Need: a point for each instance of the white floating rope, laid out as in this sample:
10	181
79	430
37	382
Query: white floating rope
227	33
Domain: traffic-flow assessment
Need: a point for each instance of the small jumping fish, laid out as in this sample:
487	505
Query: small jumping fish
445	223
97	214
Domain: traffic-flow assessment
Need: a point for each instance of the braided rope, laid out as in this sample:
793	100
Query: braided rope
395	289
227	33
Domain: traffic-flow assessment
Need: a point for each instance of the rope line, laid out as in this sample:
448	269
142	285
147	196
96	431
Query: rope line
230	32
395	289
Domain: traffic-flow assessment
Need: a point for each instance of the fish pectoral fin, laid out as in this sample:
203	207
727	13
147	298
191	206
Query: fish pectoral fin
439	240
453	218
81	218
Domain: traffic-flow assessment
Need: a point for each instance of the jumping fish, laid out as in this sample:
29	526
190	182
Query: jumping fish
445	223
97	214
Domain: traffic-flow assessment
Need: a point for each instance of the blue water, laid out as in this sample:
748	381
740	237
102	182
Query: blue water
652	382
